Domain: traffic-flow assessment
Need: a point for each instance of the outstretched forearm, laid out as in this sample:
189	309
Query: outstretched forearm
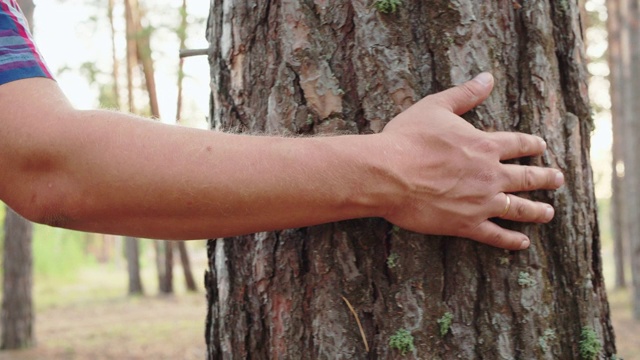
111	172
152	180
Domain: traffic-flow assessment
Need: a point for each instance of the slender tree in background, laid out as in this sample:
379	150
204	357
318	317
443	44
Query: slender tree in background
349	66
142	36
17	320
186	267
18	317
182	246
626	87
619	70
115	66
132	251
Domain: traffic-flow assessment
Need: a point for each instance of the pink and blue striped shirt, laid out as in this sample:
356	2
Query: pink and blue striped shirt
19	57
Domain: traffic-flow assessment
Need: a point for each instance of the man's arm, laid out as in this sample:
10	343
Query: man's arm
102	171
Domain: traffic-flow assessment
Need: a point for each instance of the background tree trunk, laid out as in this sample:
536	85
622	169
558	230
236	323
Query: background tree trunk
186	267
619	72
18	317
17	321
343	67
132	253
115	66
630	13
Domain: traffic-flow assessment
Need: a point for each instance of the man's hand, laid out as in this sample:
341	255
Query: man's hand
450	177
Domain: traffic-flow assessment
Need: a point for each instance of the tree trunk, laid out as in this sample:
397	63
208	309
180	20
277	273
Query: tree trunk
344	67
115	66
619	220
132	253
182	246
18	318
630	12
132	54
186	267
164	259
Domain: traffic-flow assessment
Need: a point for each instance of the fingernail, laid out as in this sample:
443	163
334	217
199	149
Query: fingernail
525	244
548	214
484	78
559	179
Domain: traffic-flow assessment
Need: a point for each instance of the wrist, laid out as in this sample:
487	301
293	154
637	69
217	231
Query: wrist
371	185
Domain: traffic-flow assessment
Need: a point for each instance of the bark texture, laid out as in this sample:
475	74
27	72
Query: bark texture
18	317
339	66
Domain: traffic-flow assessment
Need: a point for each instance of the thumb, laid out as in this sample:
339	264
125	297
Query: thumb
465	97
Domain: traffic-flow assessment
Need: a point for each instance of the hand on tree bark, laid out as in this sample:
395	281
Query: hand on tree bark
449	174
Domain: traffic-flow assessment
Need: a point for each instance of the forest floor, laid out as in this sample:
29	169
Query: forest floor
90	316
138	328
625	327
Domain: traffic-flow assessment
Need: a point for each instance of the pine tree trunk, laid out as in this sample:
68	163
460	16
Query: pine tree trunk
619	220
630	15
115	66
186	267
343	67
18	317
17	321
164	262
132	253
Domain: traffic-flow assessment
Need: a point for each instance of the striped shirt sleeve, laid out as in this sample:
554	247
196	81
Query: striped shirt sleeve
19	57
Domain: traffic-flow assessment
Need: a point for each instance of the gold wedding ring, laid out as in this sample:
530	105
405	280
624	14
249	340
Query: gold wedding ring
506	208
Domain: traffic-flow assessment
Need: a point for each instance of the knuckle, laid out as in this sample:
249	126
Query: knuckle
528	180
486	146
520	211
469	90
497	239
522	143
486	176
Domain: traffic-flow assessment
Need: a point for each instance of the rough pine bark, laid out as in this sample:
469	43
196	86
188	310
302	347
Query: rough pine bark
340	66
17	320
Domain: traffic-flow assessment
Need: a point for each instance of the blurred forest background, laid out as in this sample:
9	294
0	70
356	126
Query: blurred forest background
99	296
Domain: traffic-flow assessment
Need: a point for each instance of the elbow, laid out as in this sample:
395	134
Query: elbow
42	204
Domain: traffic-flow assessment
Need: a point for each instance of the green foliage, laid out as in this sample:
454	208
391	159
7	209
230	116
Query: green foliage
589	344
392	260
402	341
387	6
445	323
525	280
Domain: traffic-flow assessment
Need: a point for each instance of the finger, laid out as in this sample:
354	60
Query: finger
491	234
527	178
523	210
516	145
465	97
